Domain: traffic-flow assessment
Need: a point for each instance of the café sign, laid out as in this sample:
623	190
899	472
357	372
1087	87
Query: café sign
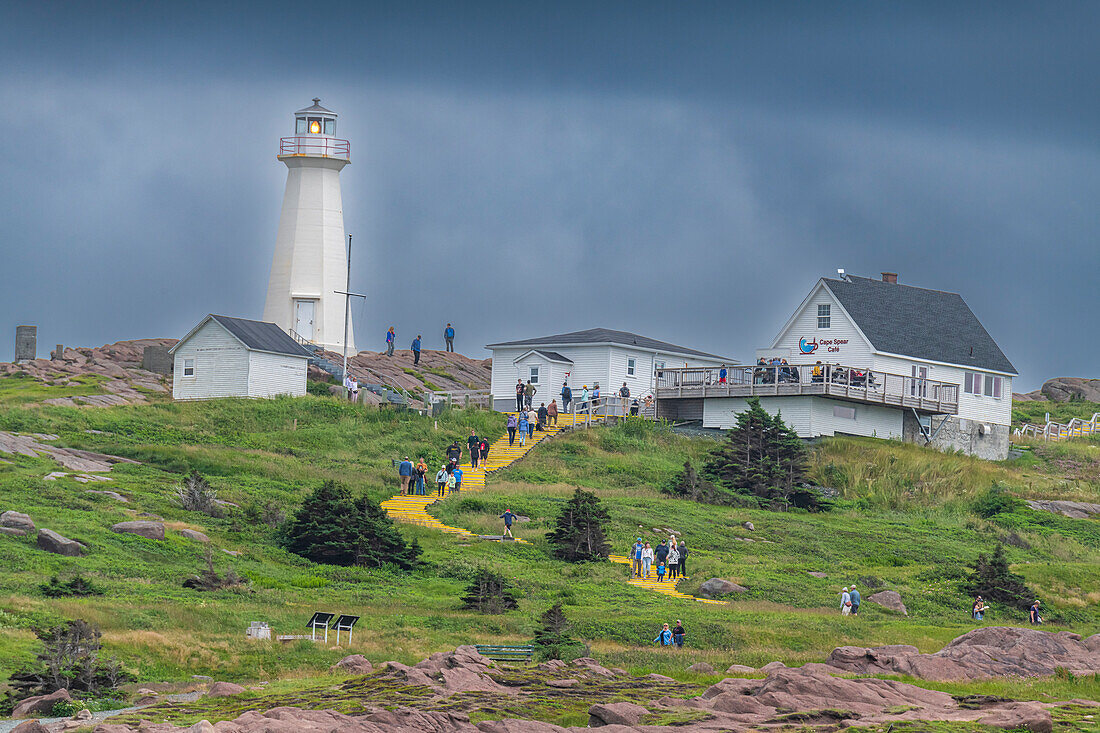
810	346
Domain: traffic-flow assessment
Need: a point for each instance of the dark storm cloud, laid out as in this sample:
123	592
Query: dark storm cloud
686	172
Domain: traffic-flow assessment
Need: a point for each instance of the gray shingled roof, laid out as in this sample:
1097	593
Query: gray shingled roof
926	324
262	336
316	107
605	336
551	355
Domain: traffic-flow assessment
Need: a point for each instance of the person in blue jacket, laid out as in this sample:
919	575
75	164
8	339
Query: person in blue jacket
665	637
508	518
405	471
523	428
391	336
449	337
636	556
458	478
854	595
566	396
416	349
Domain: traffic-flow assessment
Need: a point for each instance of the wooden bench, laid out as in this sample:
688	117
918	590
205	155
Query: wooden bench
506	653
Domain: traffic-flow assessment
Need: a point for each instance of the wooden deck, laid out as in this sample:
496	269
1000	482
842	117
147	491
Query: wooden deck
838	382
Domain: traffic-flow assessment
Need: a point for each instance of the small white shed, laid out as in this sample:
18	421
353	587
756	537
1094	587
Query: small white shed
235	357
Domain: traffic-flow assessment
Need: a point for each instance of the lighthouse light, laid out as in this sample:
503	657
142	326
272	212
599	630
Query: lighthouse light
315	127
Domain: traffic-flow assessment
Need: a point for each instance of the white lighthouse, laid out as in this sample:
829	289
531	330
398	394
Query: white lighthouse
310	263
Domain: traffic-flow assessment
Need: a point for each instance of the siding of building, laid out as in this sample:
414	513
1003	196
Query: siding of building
221	365
606	364
979	408
809	416
856	352
276	374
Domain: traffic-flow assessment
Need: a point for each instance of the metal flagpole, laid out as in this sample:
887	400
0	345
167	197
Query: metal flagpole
347	311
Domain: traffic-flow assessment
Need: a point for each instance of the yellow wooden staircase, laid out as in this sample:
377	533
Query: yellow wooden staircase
412	509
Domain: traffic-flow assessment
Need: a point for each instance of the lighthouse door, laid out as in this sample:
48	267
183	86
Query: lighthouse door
303	319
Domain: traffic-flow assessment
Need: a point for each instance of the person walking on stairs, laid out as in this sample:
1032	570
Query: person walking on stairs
566	396
456	472
678	634
647	560
449	337
583	405
421	472
441	481
552	413
484	450
532	421
636	556
529	394
391	336
520	393
508	518
511	424
474	445
416	349
523	425
661	571
624	395
673	563
683	550
451	480
665	637
543	413
660	553
405	471
454	453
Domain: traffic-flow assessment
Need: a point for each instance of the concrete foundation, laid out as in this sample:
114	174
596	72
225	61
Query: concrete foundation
983	440
156	359
26	343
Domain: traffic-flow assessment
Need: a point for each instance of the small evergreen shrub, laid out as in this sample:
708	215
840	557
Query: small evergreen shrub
195	494
70	658
552	640
78	586
489	592
992	580
996	501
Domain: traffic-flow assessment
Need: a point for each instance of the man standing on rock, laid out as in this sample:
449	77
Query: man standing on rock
854	595
391	336
416	349
449	337
474	444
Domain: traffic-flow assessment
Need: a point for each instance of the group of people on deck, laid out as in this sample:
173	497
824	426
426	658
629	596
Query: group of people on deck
669	556
773	370
778	370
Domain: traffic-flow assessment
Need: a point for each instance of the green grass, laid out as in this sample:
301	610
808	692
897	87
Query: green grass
1062	412
902	523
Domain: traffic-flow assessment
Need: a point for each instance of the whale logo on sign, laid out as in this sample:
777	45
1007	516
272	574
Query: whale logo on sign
807	347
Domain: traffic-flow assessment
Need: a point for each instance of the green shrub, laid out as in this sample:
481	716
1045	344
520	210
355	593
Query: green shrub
996	501
78	586
488	592
579	534
67	708
552	640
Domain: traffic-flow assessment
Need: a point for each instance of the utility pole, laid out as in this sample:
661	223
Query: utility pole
347	312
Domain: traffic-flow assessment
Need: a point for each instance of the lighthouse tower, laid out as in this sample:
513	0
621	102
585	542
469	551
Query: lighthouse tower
310	263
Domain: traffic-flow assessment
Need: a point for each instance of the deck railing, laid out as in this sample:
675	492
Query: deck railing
846	382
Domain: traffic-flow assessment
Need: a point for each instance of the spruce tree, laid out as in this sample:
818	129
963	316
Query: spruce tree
992	580
488	592
552	640
578	534
334	528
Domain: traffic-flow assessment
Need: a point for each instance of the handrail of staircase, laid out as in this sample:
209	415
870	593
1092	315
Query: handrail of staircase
301	339
1057	431
396	387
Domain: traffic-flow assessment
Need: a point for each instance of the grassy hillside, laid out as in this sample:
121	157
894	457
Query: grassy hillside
903	523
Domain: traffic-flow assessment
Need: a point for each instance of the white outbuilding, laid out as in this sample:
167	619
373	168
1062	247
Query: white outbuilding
586	358
235	357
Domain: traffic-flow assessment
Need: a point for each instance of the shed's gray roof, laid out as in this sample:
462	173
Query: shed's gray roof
606	336
926	324
262	336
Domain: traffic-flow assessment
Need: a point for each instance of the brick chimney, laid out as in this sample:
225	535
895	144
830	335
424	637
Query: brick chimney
890	277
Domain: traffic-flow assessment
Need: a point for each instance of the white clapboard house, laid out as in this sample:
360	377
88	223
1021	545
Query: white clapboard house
597	355
867	357
234	357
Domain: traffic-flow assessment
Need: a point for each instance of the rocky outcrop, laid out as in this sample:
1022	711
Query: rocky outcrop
224	689
30	726
1065	389
194	534
889	599
717	587
17	521
616	713
51	541
353	664
1071	509
34	446
40	704
142	528
994	651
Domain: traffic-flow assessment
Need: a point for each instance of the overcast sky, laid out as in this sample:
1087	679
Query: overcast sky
683	170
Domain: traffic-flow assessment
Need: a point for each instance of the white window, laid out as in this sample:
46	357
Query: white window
983	384
824	316
846	413
330	127
188	367
300	128
534	375
630	365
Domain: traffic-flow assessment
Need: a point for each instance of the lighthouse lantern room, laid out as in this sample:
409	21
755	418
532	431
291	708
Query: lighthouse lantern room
309	267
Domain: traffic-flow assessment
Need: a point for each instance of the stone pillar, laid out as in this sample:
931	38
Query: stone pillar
26	343
59	354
